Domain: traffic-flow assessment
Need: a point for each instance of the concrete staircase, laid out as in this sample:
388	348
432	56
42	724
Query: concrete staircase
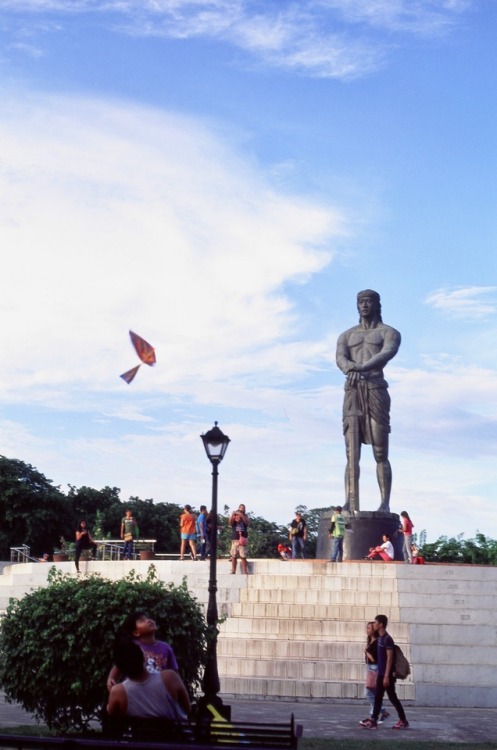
296	630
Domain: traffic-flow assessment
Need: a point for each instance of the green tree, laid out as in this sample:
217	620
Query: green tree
56	643
263	538
480	550
32	510
87	502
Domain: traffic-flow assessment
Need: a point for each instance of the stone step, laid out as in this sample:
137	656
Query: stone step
318	568
303	689
320	596
349	612
322	582
330	671
256	648
247	627
346	612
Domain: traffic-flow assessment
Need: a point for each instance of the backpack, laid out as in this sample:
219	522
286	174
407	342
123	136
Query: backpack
401	666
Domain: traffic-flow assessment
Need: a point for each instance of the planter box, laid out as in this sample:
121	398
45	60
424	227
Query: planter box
60	557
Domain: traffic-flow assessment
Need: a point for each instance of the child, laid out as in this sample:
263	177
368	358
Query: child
285	552
416	557
141	629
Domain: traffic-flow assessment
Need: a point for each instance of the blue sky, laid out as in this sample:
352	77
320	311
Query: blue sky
223	177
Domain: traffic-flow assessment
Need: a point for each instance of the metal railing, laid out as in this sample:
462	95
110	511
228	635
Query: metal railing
21	554
107	549
111	549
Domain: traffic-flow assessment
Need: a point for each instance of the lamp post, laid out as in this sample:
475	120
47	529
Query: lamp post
215	444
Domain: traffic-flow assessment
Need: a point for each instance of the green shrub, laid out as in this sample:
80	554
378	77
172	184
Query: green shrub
56	642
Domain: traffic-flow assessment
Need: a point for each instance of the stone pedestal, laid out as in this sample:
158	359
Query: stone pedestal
366	529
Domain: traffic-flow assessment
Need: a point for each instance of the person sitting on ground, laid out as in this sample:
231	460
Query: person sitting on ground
384	551
417	559
285	552
161	695
140	629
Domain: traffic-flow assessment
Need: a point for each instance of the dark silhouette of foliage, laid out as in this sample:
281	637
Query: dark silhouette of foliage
32	510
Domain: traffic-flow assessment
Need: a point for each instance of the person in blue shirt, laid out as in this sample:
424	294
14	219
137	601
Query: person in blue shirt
202	531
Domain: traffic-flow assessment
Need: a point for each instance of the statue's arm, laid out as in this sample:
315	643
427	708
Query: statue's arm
343	360
388	351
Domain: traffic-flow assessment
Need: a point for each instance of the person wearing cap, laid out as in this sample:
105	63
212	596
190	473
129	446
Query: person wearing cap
337	533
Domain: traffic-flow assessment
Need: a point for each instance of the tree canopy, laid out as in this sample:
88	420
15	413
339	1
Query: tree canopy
480	550
32	510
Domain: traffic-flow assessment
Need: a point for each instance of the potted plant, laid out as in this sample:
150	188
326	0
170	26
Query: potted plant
60	553
63	553
147	554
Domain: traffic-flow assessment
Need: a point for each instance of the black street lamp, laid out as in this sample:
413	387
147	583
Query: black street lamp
215	444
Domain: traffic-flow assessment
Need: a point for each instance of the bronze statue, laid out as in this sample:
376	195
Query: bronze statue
362	352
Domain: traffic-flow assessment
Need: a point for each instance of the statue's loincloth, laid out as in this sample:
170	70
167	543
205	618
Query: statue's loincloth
365	401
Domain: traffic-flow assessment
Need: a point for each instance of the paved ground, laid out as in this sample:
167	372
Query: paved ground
340	720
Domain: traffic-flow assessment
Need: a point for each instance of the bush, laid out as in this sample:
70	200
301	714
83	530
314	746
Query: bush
56	642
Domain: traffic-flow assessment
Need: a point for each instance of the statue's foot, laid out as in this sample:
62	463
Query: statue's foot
384	508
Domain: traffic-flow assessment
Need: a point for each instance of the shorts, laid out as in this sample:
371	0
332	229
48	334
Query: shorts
238	549
190	537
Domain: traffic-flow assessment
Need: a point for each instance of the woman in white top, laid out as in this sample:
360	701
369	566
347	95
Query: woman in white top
385	551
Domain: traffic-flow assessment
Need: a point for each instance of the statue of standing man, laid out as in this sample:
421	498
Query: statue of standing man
362	353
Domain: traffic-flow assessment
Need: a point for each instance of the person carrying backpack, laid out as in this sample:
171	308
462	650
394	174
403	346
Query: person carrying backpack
386	677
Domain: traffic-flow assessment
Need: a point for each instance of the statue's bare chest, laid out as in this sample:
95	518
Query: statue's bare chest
371	340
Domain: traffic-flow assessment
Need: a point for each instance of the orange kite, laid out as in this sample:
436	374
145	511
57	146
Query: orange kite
145	351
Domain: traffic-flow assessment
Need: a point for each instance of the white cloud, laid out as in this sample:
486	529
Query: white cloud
423	17
318	38
118	217
469	303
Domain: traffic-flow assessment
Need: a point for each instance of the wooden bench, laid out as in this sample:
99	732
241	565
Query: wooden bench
201	736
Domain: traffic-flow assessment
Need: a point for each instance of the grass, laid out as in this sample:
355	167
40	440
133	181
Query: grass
326	744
